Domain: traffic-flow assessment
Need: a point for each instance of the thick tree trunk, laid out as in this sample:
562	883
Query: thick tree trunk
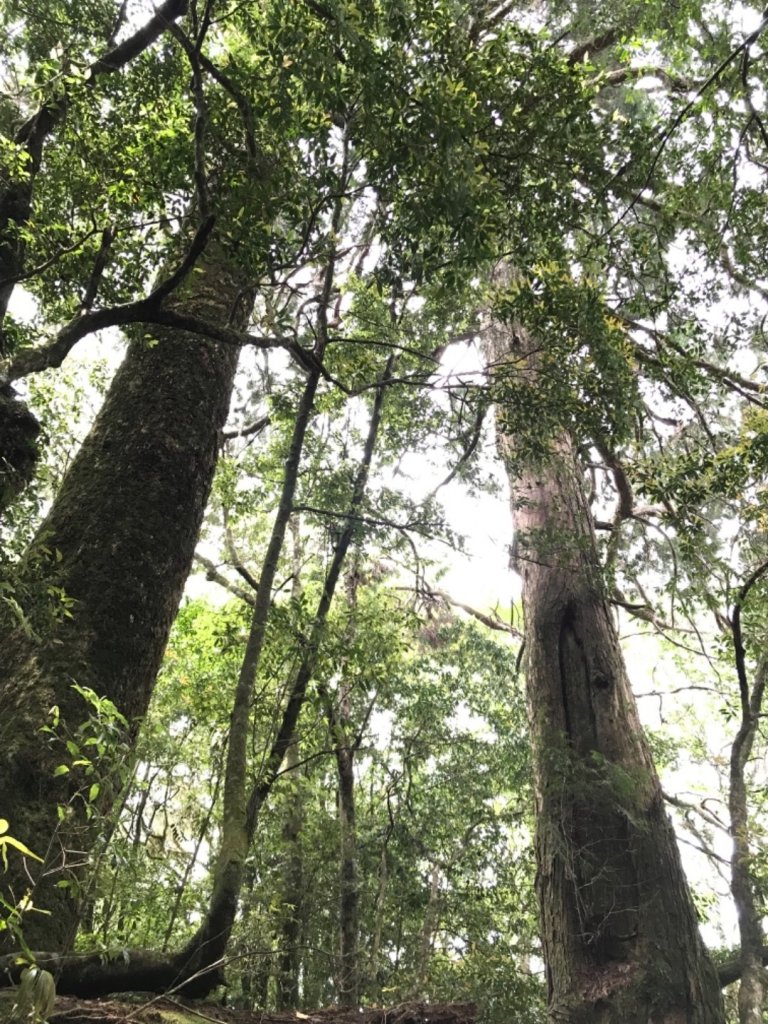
620	936
118	542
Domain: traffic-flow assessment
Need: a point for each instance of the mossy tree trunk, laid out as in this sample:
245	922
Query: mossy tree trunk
619	931
118	542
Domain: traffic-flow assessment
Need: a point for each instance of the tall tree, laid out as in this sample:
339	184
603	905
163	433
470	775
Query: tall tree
466	134
118	541
618	928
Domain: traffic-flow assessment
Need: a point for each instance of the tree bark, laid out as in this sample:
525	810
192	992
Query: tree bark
19	430
118	543
619	931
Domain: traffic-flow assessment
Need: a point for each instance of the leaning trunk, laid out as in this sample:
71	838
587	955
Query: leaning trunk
118	545
619	931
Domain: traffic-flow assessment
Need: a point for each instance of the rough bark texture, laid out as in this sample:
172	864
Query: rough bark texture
619	931
120	537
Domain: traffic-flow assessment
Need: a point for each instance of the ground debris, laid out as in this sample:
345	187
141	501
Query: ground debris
182	1011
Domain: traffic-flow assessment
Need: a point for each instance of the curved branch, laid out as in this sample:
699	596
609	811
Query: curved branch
738	641
149	310
730	971
51	355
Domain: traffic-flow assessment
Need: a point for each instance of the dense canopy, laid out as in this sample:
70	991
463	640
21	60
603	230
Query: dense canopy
283	286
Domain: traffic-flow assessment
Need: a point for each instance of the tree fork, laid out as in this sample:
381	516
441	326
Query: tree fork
18	427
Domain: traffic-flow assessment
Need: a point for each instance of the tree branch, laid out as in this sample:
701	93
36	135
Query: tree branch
730	971
146	310
492	621
214	574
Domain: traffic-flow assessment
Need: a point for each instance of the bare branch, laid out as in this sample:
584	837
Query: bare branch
492	621
214	574
107	237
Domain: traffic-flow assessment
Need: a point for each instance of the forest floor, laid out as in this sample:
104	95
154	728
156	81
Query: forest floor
180	1011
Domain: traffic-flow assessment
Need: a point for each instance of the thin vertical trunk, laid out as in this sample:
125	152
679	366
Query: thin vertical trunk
429	927
18	427
118	542
619	931
241	813
753	986
345	746
373	981
348	983
288	958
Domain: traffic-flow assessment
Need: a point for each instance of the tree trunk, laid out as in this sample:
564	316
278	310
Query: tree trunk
754	982
19	430
430	926
288	958
348	984
619	931
118	542
241	812
18	427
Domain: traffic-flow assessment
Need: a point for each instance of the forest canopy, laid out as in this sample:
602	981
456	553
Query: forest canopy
283	285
